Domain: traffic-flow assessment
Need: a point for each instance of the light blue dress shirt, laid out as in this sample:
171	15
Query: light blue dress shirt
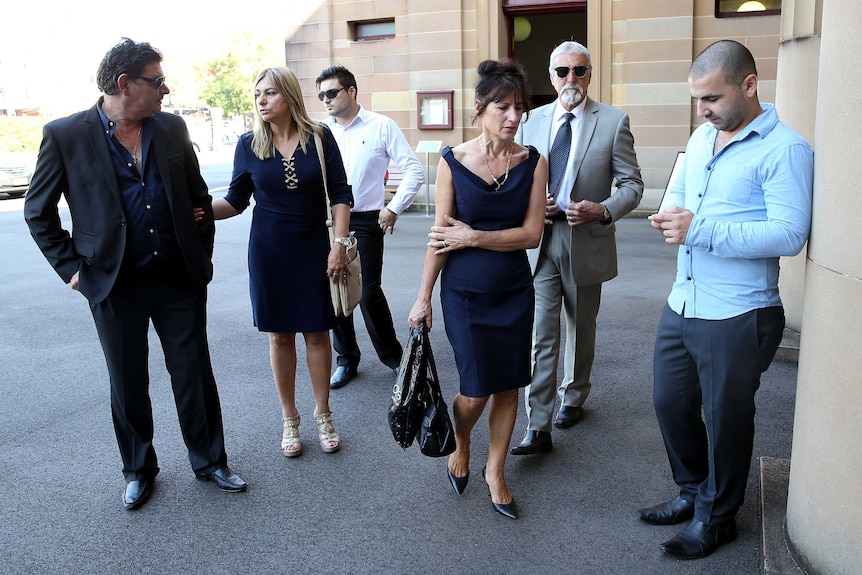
751	205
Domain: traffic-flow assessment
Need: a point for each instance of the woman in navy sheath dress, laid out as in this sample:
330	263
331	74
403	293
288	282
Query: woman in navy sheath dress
490	204
290	259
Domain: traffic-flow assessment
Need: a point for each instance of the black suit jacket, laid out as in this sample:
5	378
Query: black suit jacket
75	162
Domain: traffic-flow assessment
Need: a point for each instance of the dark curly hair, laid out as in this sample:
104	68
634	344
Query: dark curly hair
127	57
499	78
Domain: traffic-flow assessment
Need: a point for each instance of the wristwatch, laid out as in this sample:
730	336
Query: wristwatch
343	241
606	215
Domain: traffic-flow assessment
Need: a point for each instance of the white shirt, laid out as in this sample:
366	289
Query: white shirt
565	192
367	144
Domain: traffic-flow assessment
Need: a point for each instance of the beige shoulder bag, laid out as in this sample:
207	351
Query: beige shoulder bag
346	295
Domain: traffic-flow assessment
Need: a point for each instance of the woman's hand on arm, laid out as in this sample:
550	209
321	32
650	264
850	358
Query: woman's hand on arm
453	234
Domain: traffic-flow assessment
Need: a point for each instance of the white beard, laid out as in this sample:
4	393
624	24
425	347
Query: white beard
572	94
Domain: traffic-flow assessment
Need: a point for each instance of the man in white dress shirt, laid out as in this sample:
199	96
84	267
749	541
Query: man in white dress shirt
368	141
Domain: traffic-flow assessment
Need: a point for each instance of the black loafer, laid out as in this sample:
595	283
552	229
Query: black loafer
342	376
534	442
668	513
568	416
699	539
225	479
136	493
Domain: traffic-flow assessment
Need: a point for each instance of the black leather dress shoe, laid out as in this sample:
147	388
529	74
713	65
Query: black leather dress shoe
137	492
534	442
568	416
342	376
225	479
699	539
668	513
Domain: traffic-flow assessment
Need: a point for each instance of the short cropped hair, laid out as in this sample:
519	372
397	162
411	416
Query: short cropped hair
732	58
344	76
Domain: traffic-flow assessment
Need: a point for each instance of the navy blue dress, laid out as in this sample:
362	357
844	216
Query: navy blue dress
487	296
289	241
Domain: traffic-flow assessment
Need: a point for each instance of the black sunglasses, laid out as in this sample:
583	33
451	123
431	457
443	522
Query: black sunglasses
331	94
156	83
580	71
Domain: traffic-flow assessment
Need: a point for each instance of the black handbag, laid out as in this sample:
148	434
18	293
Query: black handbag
408	401
417	409
436	434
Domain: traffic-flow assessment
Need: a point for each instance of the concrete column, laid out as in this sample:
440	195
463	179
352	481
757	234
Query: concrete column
825	491
795	98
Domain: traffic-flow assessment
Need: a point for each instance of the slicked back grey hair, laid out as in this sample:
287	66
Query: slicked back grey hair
569	47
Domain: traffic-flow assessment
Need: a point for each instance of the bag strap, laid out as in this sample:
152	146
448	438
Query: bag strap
318	143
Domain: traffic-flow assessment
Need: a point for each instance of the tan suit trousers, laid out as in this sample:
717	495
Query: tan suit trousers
555	287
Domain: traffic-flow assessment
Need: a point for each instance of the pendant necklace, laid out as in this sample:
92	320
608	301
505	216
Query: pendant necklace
485	158
134	151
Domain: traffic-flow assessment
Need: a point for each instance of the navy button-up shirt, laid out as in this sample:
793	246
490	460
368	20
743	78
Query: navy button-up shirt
150	238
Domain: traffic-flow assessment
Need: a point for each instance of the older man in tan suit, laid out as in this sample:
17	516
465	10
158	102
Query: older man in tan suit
588	146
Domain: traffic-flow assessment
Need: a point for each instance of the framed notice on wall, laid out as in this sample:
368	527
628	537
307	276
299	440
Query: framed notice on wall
435	110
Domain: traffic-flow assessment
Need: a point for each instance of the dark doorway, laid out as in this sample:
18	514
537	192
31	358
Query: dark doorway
546	31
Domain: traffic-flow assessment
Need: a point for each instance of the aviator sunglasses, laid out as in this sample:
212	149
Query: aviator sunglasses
156	83
331	94
580	71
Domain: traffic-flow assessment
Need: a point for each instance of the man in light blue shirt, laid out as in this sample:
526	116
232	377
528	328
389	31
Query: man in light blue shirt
741	201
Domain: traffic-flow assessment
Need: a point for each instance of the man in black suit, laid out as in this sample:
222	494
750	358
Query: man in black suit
136	252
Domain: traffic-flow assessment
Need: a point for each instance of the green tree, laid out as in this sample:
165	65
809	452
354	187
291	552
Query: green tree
227	78
226	87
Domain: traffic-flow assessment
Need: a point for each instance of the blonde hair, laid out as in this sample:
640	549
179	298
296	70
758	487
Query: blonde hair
285	82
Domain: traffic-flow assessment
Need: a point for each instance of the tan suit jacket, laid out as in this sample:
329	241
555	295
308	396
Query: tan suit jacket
604	153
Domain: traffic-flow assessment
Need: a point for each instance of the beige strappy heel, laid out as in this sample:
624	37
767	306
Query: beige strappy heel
329	440
291	444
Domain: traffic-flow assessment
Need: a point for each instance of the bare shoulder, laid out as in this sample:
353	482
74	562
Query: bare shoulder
519	153
464	151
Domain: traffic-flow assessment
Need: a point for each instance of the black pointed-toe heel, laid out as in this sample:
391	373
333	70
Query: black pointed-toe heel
505	509
459	484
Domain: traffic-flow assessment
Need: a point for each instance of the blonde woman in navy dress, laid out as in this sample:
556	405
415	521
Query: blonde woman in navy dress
490	204
290	258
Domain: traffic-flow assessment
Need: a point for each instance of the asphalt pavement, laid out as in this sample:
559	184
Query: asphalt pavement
370	508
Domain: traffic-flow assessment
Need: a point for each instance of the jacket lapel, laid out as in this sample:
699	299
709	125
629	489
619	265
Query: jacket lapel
99	144
585	135
160	152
